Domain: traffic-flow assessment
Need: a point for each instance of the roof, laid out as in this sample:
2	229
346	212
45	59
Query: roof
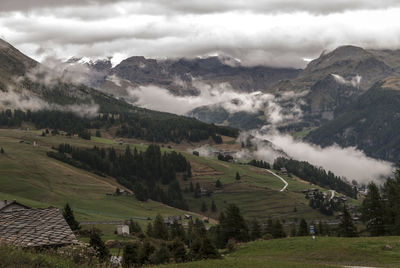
4	204
35	227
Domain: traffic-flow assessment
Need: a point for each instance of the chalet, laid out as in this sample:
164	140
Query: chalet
170	220
284	171
187	216
45	227
6	205
123	230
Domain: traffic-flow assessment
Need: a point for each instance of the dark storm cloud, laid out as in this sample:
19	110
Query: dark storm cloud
275	32
210	6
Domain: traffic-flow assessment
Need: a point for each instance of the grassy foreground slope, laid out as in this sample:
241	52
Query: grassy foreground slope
305	252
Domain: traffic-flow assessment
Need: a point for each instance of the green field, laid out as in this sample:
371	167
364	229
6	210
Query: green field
305	252
31	177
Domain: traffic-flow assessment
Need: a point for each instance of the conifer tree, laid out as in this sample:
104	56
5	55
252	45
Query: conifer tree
373	211
213	206
1	150
160	230
255	229
203	206
346	226
237	176
303	228
70	218
98	244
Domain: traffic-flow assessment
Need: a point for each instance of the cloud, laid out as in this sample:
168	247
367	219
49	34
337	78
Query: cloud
205	6
25	100
346	162
274	33
214	96
355	81
52	71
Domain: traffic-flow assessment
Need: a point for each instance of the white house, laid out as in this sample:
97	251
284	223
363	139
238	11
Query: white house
123	230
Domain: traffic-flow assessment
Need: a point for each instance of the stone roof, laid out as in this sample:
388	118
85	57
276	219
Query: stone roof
5	203
35	227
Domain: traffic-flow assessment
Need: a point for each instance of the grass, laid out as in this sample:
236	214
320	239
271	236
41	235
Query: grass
305	252
32	178
37	180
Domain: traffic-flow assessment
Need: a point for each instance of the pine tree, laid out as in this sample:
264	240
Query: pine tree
203	206
346	226
213	206
130	255
278	230
237	176
1	150
233	225
303	228
293	231
70	218
218	184
160	230
134	227
372	211
98	244
178	250
191	189
255	229
149	230
208	249
177	231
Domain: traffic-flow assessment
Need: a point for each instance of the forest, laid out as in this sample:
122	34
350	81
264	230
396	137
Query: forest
316	175
140	124
150	174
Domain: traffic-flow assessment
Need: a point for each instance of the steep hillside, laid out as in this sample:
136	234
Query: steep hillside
332	82
30	86
32	177
371	123
179	76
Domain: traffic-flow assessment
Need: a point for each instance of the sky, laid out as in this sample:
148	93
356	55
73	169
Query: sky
283	33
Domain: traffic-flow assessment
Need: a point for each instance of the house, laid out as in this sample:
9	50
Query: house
187	216
283	170
6	205
123	230
124	192
44	227
170	220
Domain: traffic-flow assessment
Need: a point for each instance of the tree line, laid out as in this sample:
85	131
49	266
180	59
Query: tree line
147	172
315	175
380	210
141	124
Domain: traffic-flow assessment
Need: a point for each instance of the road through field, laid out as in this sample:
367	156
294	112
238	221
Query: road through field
279	177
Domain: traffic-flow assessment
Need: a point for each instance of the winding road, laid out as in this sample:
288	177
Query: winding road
279	177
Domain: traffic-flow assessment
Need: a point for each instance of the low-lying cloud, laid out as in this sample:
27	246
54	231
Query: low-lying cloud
220	95
349	162
354	81
25	100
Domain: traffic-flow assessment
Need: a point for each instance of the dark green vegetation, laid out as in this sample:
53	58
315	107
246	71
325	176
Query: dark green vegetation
318	176
142	172
380	209
138	123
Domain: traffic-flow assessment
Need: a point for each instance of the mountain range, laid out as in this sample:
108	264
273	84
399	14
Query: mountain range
348	96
